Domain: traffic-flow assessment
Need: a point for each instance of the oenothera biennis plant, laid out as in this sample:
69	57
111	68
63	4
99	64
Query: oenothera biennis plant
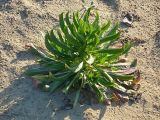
82	54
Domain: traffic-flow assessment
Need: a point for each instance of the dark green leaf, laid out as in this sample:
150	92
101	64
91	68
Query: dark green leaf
40	70
70	38
68	20
87	14
76	98
60	36
58	42
105	82
51	47
61	21
65	90
134	63
39	52
55	84
127	47
121	76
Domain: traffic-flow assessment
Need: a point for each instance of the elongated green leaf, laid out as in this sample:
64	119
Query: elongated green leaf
51	47
68	20
78	36
76	98
105	27
127	47
110	38
126	71
111	50
70	38
58	42
44	61
54	65
61	21
93	34
134	63
105	74
87	14
64	76
57	81
77	16
96	21
75	21
99	93
65	90
62	73
81	29
124	90
95	40
40	77
114	29
40	70
122	50
77	68
104	82
55	84
121	77
73	29
113	58
60	36
119	65
39	52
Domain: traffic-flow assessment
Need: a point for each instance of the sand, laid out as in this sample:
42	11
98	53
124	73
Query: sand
23	21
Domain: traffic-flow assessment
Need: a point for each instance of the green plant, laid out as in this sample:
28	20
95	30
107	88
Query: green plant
82	54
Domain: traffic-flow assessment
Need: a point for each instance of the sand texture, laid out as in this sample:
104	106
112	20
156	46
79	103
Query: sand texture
23	21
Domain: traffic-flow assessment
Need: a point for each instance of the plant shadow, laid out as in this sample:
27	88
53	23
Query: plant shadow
157	40
23	56
4	4
154	55
114	4
21	100
4	1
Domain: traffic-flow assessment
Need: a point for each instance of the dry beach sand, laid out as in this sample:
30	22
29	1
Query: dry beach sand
22	21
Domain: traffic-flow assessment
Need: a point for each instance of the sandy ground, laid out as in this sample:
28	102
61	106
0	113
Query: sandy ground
22	21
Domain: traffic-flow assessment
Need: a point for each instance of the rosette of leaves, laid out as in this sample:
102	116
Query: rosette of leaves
82	54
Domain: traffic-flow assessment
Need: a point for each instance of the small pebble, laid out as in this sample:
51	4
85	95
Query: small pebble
128	19
107	102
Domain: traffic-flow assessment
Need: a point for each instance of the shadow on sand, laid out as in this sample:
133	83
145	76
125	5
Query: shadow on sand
4	3
23	101
114	4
